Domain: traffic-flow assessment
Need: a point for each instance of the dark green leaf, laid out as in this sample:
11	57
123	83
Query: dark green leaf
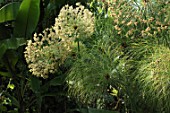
27	18
3	48
44	88
9	11
59	80
35	84
5	74
12	43
12	57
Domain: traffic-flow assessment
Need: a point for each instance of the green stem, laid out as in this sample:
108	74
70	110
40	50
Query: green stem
78	45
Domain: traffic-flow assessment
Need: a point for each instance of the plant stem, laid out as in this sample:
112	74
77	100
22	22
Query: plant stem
78	45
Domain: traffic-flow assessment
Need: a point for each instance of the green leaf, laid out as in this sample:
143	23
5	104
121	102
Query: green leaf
12	43
44	88
3	48
35	84
59	80
5	74
27	18
9	11
12	57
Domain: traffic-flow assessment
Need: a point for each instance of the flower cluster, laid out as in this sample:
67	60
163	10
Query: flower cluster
48	50
136	20
74	22
45	53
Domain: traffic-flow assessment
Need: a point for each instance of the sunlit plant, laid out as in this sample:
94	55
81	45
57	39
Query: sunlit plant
154	76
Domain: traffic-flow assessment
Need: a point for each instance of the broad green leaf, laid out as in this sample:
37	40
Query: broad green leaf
59	80
12	57
9	12
35	84
12	43
44	88
27	18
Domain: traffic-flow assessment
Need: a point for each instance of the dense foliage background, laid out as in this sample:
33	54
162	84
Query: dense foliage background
84	56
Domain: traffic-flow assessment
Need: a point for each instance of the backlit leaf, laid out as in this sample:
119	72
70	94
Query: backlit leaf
27	18
9	11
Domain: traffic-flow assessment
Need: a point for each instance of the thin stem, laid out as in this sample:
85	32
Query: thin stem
78	45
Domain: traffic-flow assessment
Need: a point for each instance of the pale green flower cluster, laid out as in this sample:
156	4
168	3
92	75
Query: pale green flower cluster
45	53
74	22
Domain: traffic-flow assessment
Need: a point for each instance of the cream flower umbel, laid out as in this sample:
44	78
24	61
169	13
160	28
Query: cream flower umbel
45	53
74	22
